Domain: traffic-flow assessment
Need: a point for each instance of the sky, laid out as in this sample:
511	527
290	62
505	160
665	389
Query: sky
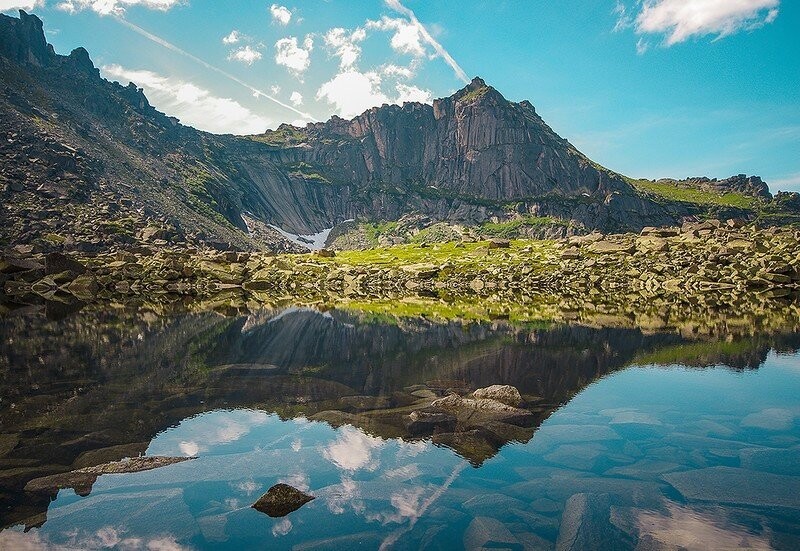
649	88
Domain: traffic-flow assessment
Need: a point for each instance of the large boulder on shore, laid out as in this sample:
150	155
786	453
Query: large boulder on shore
505	394
280	500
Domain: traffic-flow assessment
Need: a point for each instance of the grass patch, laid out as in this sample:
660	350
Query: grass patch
284	135
698	353
452	254
512	228
538	315
307	172
475	94
375	231
690	194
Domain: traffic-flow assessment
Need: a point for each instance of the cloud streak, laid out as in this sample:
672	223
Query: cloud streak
168	45
426	36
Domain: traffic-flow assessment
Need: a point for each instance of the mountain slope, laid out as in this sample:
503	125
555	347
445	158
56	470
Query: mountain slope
90	164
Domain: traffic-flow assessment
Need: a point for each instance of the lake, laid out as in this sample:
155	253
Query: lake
630	439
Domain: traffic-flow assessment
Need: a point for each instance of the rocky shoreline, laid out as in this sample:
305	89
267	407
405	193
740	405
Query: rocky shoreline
697	269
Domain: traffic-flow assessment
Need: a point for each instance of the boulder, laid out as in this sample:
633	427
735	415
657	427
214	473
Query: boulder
610	247
489	533
497	243
505	394
586	524
56	263
425	423
280	500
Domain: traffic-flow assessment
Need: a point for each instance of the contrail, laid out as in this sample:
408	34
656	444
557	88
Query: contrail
398	7
168	45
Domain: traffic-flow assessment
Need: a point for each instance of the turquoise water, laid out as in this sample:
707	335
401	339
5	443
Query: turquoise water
660	456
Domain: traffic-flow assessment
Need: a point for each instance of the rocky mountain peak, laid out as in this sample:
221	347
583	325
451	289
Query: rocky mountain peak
23	40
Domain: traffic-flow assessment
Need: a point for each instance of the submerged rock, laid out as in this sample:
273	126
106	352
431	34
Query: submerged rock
586	524
280	500
489	533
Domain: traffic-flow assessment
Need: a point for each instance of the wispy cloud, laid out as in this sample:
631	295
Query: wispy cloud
790	182
680	20
246	54
234	37
345	45
407	37
295	57
191	103
426	36
168	45
26	5
114	7
280	14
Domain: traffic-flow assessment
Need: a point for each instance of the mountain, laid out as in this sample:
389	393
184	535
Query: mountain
89	164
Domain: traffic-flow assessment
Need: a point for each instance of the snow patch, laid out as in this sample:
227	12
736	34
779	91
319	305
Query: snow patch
313	242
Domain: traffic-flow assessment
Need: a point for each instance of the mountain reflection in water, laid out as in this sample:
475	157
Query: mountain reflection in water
646	456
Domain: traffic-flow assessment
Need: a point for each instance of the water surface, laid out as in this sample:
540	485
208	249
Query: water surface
651	440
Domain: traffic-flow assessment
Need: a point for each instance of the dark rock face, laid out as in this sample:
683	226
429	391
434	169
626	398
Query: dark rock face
280	500
23	41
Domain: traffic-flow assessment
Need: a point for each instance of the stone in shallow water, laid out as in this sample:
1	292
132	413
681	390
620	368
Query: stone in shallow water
586	524
741	486
778	461
770	419
490	503
644	469
280	500
581	457
489	533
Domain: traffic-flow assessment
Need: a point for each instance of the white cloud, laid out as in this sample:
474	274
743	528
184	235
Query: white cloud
282	527
397	6
191	103
345	45
352	92
115	7
407	38
790	182
280	14
292	56
232	38
245	54
26	5
275	89
353	450
398	71
296	98
680	20
406	93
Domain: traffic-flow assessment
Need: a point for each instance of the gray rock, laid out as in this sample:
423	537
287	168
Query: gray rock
586	524
280	500
740	486
489	533
505	394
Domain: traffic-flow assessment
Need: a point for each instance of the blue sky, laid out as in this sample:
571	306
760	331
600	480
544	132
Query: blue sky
651	88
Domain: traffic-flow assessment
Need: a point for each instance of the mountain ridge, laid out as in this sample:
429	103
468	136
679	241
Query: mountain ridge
90	164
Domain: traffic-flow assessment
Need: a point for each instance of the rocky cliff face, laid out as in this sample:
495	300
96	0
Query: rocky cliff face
90	164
